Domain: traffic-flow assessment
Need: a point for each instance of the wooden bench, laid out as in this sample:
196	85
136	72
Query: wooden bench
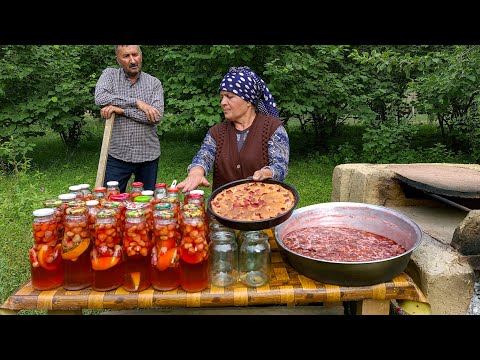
286	292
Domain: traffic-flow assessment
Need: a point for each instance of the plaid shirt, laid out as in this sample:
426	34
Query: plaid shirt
134	138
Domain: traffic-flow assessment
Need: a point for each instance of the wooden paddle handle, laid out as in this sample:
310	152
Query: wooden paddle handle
102	162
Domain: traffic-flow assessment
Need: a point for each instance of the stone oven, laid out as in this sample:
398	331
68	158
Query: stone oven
444	200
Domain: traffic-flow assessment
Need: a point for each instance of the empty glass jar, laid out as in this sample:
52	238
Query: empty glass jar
254	259
223	259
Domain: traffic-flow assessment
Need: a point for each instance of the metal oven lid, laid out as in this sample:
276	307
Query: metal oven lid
451	184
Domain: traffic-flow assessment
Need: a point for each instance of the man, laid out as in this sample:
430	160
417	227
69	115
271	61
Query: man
136	98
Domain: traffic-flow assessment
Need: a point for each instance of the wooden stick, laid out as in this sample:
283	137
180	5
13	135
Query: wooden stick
102	162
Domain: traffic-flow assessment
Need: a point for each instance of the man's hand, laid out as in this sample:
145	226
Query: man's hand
107	111
194	179
152	113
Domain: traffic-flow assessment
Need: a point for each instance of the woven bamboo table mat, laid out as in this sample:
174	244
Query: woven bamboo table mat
286	287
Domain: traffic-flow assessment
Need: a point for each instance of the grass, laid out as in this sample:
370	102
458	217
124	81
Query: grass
54	169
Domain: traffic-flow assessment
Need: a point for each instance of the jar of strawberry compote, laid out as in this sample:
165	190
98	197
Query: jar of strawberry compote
113	188
106	256
87	193
160	193
193	252
137	188
165	269
76	247
137	248
57	206
46	263
100	194
93	207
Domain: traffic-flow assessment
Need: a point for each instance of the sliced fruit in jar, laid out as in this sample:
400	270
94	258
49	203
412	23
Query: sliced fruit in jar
104	262
194	258
74	252
167	244
46	257
164	260
135	279
33	258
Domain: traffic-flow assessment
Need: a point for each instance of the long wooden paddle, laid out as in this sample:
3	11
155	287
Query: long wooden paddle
102	162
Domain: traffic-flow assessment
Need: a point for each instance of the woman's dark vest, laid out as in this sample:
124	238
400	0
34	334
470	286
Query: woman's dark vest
231	165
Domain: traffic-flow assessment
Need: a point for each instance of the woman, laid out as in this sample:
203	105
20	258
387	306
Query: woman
251	142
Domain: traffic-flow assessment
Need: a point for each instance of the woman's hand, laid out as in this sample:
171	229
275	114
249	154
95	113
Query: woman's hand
194	179
262	174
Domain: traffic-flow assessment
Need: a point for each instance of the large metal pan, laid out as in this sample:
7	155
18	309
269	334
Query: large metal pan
252	225
372	218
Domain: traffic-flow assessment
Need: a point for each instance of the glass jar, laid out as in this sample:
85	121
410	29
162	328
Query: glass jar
93	207
100	193
46	264
147	206
121	203
214	226
66	199
137	247
223	259
119	214
87	193
159	193
57	206
77	190
174	199
113	188
241	235
76	247
196	197
254	259
165	267
137	188
193	252
106	256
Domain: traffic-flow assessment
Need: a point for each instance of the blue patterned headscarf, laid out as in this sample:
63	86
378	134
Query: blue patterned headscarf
243	82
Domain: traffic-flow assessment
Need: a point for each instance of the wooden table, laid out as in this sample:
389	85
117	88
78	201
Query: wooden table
287	287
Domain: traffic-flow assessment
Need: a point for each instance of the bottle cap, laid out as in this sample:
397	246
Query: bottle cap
112	183
147	192
162	206
142	198
68	196
105	213
92	202
52	203
43	212
135	213
80	210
